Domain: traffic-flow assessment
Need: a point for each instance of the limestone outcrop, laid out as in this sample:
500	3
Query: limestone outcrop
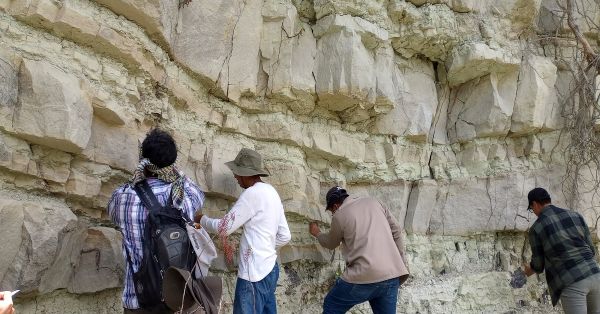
448	111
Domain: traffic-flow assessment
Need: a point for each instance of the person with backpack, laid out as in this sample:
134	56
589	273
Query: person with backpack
260	212
373	247
158	180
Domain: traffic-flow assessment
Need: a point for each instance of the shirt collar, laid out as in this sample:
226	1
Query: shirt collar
545	208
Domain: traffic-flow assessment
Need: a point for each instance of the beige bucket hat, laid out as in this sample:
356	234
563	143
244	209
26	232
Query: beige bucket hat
247	163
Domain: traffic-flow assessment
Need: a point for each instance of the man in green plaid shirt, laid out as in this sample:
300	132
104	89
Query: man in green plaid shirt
561	246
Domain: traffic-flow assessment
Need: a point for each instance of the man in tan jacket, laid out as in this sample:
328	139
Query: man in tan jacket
376	264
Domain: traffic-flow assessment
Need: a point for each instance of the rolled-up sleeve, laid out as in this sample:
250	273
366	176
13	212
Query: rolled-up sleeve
537	252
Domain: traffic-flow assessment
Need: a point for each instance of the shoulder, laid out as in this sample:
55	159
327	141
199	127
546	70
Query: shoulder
550	213
576	216
353	204
538	224
193	194
362	201
191	186
120	198
562	213
260	189
123	189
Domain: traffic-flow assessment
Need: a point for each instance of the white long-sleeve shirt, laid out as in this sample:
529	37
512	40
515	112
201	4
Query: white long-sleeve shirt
260	212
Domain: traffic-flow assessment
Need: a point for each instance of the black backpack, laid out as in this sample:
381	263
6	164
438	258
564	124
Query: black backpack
165	244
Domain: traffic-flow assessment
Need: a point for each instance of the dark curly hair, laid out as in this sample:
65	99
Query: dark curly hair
160	148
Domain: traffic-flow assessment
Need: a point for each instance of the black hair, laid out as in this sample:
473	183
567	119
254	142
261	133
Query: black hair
160	148
539	195
335	195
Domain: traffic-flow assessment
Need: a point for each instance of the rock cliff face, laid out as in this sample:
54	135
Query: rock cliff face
448	111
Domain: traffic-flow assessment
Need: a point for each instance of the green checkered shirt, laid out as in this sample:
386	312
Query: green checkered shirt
562	246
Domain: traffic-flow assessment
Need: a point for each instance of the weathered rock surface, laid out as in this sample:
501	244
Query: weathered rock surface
16	155
536	98
421	203
9	90
218	176
113	146
483	107
475	60
431	30
413	88
551	19
85	179
288	50
36	232
52	110
100	265
228	55
345	64
52	165
372	11
157	17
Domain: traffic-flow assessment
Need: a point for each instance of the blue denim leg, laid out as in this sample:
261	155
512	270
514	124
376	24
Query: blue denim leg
270	285
382	296
243	302
344	296
387	296
256	297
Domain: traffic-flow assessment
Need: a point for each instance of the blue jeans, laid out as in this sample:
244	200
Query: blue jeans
256	297
382	296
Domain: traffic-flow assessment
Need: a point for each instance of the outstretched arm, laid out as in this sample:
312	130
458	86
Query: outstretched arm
283	233
329	240
239	214
537	255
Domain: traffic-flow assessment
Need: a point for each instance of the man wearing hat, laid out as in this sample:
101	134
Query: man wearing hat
260	211
373	248
561	245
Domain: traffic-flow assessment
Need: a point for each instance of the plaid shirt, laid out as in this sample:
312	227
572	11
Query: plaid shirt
127	211
562	246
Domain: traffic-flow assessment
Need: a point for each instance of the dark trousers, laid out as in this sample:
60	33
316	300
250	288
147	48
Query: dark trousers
382	296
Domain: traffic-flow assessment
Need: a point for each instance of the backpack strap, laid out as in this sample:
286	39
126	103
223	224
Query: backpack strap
146	195
144	192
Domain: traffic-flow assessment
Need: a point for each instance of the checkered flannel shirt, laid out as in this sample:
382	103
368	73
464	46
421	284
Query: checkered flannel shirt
562	247
127	211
